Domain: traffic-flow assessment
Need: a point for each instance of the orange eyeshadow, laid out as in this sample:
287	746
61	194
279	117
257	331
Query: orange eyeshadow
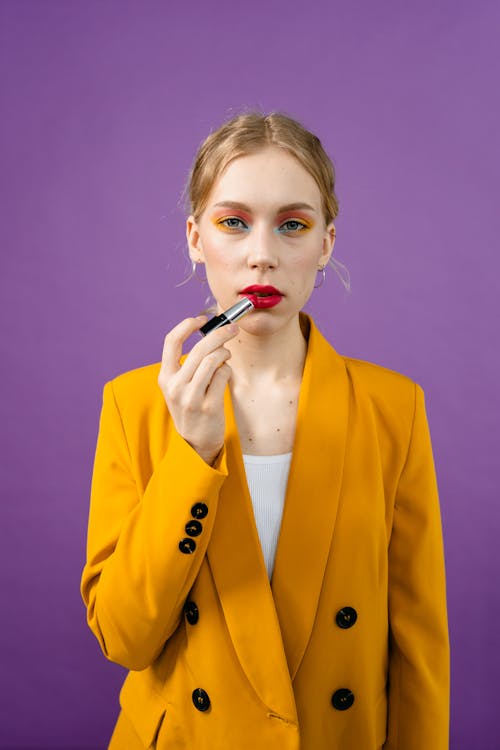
236	214
293	215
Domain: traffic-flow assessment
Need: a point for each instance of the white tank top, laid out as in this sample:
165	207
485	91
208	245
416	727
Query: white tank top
267	478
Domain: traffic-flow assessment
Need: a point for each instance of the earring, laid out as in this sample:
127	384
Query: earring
321	268
193	273
194	264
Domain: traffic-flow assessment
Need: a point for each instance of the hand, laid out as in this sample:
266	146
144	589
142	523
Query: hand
194	392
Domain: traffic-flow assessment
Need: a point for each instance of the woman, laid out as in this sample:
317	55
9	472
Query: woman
334	633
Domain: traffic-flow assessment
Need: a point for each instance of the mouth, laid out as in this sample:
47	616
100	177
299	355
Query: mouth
262	297
261	291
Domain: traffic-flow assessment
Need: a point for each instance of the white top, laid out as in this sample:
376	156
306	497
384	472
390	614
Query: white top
267	478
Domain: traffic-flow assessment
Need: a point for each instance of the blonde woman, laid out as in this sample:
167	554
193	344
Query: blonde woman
265	551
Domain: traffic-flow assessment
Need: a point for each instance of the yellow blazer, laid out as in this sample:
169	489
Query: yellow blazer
347	647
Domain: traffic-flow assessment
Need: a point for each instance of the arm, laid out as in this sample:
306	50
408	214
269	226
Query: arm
419	668
136	579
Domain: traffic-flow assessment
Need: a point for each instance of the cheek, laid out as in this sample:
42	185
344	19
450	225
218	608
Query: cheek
216	259
219	267
215	249
303	269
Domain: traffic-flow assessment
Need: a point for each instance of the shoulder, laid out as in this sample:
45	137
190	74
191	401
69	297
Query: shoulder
382	401
139	377
377	378
388	394
391	395
137	390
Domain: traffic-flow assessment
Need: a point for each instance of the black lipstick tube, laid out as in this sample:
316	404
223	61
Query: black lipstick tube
230	315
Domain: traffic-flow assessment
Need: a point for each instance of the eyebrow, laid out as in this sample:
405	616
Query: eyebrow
244	207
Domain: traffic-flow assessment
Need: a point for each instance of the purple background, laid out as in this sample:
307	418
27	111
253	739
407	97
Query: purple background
103	107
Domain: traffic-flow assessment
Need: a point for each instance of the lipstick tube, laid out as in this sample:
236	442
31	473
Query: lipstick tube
231	315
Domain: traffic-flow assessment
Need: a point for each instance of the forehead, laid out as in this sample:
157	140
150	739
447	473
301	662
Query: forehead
268	177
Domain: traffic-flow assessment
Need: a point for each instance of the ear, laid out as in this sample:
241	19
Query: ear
194	240
328	243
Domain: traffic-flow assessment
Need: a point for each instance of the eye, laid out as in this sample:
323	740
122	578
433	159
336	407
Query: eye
231	222
293	225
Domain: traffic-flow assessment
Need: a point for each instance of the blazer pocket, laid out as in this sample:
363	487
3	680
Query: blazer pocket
143	706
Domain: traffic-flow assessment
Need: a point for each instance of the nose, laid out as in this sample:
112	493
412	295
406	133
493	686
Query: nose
262	249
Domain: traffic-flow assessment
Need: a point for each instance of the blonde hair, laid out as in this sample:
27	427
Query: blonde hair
248	133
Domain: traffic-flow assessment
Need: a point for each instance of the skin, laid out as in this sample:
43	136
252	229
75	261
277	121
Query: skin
259	244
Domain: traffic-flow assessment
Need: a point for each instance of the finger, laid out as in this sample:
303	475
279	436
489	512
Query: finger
205	371
206	346
174	340
215	393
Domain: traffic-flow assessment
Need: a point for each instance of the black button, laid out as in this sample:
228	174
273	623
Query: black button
199	510
342	699
201	700
346	617
192	613
187	546
194	528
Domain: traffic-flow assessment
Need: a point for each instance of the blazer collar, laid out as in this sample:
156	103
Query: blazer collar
270	623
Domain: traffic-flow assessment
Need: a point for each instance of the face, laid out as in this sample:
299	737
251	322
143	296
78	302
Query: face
263	225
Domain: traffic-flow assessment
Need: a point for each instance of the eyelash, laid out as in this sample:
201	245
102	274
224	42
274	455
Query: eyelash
302	225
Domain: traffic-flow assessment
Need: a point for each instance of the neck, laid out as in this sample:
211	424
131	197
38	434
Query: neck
267	360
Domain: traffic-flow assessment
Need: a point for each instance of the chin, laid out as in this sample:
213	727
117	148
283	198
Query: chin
262	322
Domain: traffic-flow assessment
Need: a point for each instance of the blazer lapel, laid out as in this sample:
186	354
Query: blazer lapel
312	496
238	568
270	625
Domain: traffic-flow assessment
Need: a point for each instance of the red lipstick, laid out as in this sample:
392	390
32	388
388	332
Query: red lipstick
262	296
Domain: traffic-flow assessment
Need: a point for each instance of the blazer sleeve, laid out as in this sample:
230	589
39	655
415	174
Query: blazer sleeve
136	578
419	659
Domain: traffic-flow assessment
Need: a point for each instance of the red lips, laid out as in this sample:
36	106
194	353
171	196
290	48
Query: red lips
258	288
254	293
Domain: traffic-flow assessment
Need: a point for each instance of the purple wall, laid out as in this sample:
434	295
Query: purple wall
103	106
